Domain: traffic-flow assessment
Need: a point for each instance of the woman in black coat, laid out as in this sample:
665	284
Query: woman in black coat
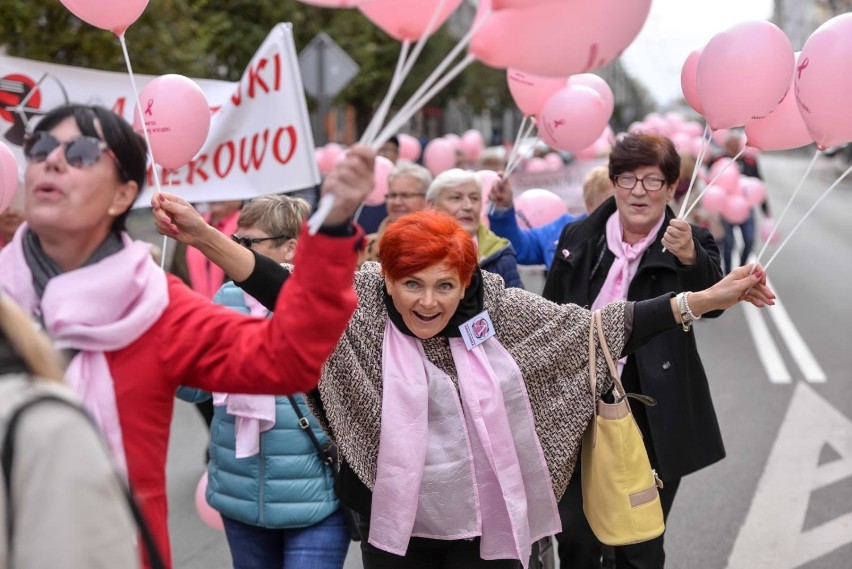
617	253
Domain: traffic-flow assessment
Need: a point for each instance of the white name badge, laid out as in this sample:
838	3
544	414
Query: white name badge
477	330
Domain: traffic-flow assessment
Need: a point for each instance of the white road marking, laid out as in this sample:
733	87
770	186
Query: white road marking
771	535
795	343
767	350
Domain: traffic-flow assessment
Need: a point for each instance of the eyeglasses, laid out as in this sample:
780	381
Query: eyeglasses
650	183
247	242
404	196
80	152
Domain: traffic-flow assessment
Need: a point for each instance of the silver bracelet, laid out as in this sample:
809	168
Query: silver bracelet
688	310
685	318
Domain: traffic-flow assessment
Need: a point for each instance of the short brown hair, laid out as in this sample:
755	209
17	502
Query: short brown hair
638	150
275	215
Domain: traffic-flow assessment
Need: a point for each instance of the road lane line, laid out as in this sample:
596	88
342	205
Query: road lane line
767	351
795	343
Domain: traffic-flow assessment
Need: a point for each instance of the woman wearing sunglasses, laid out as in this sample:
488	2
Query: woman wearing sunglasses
617	254
133	333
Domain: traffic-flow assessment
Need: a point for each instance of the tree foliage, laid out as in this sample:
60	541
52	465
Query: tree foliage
216	39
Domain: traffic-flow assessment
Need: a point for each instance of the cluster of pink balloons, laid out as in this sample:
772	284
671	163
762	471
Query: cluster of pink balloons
327	156
732	195
749	76
550	162
445	152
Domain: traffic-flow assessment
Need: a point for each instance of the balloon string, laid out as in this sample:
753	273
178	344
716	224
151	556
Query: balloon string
513	152
705	144
419	98
403	117
716	177
384	107
141	114
807	213
520	155
787	206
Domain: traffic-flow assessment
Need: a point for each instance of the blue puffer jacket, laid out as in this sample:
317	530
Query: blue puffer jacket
285	485
535	246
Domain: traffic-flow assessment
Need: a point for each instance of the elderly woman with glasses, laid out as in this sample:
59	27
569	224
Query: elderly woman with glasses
632	248
134	333
457	404
407	186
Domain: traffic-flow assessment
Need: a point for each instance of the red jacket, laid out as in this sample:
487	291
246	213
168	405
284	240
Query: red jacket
199	344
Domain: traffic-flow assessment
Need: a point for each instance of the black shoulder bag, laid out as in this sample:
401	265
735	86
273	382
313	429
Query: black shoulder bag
8	455
328	454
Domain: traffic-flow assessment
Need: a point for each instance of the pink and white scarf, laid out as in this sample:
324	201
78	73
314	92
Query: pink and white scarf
98	308
459	464
253	414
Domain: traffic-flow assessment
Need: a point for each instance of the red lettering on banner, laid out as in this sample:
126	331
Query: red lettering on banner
118	107
257	77
196	166
217	156
276	144
256	157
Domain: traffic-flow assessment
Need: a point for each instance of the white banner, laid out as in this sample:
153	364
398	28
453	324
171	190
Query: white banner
260	139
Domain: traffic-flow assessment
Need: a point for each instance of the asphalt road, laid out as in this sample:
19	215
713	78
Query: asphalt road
782	498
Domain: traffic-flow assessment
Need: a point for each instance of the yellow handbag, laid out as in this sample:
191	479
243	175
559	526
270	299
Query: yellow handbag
620	497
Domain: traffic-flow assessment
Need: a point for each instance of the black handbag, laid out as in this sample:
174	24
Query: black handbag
328	454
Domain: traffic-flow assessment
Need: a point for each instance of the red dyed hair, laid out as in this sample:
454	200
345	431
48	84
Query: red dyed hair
423	239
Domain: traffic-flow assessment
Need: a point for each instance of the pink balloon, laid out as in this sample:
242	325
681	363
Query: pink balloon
823	82
719	135
692	128
681	141
714	199
598	84
782	129
487	179
177	118
573	118
695	145
453	139
767	226
753	189
407	20
8	176
729	180
554	160
381	170
536	164
530	92
472	144
113	15
207	514
409	147
558	39
743	73
504	4
736	210
439	155
537	207
689	82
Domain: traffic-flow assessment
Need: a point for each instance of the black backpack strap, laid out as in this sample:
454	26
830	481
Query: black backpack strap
8	455
305	425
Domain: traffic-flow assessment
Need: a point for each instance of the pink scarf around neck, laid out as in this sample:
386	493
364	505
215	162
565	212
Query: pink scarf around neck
456	464
98	308
204	275
253	414
627	258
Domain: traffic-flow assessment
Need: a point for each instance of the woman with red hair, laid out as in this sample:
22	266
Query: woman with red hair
457	404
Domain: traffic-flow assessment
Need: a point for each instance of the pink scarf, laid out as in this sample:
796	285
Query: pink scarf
94	309
459	464
206	277
627	258
254	413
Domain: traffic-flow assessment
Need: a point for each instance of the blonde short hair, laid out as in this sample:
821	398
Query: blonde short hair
275	215
595	186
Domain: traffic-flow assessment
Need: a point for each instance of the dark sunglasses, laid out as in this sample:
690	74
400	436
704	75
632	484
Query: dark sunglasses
80	152
247	242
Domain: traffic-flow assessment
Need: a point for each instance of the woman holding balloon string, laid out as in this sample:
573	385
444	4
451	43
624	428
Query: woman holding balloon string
617	254
134	333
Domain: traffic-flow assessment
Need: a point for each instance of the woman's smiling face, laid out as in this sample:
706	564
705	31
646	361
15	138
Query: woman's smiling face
427	299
